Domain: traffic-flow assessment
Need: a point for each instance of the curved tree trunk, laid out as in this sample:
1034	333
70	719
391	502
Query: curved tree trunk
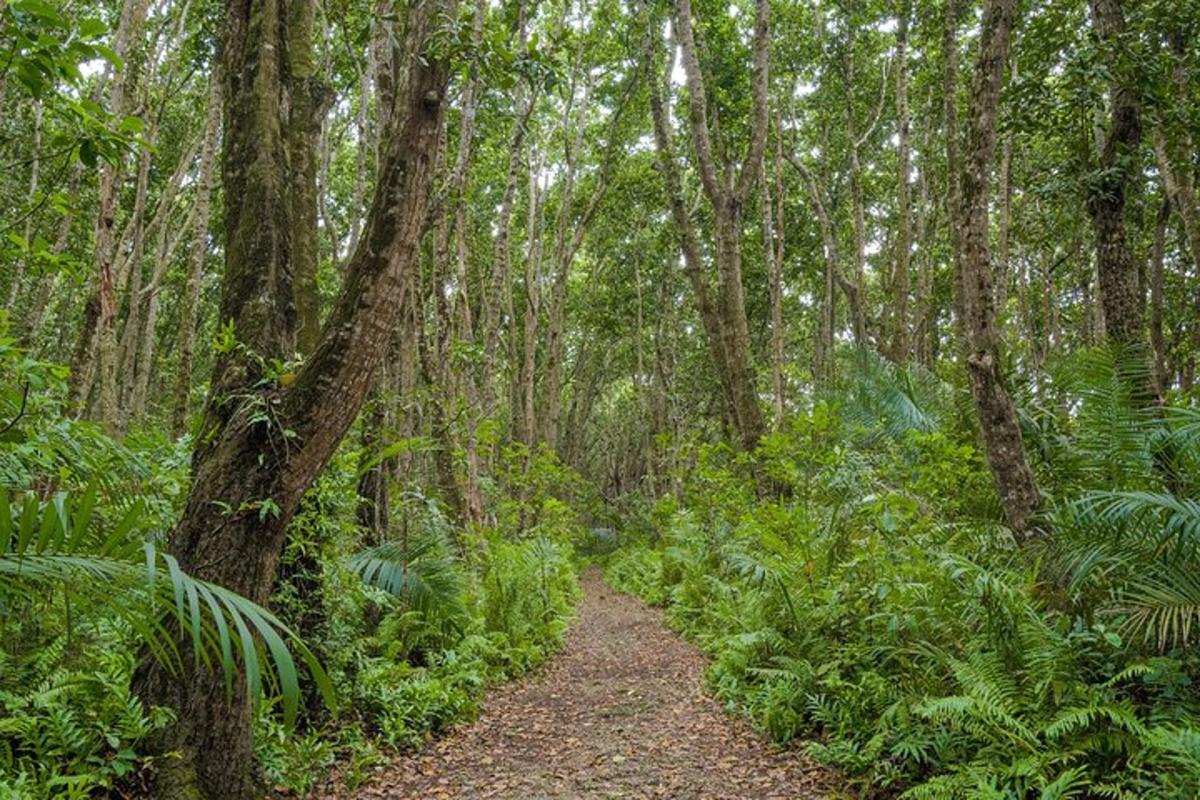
248	474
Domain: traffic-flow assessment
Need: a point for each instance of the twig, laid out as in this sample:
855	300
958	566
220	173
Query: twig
20	412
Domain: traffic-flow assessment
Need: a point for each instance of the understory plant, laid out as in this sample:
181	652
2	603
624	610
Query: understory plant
877	613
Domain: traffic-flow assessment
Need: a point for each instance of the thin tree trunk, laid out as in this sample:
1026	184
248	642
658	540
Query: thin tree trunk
190	306
1004	227
902	273
772	253
44	290
727	191
1003	445
1175	163
501	273
14	289
950	133
524	411
134	270
1158	344
1181	191
310	99
100	313
164	253
925	336
685	227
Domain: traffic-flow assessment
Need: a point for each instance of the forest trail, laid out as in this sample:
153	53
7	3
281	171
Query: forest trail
620	713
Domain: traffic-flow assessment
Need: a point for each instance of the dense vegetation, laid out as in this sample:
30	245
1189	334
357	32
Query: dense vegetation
879	614
337	337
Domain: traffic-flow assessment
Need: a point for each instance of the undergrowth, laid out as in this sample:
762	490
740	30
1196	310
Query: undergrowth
874	612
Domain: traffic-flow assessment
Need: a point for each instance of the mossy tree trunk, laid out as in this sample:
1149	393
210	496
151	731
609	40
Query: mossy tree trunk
262	443
1002	441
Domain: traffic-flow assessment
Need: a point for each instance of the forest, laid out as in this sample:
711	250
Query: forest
590	399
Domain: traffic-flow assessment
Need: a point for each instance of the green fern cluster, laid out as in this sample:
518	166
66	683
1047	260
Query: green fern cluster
876	610
69	727
418	627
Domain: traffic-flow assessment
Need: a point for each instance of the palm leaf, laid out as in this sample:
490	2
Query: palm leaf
132	581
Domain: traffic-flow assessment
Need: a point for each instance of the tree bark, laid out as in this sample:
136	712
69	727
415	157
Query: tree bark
1003	445
1120	292
249	473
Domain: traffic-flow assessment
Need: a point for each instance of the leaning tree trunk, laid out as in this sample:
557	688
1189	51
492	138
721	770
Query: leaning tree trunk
250	474
1003	445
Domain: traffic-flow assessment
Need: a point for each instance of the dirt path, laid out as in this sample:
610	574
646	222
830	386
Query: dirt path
620	713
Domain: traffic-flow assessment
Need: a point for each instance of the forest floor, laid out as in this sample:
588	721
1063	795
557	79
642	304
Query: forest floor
621	712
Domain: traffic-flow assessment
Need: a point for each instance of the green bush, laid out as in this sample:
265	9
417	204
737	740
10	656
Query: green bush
69	726
875	610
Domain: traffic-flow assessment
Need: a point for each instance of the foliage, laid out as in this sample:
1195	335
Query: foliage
877	612
69	727
410	674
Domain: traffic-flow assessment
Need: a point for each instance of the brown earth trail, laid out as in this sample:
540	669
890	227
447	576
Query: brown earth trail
621	712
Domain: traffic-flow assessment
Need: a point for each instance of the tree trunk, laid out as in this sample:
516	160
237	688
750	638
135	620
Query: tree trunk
1003	445
727	191
772	254
501	272
190	307
953	168
96	347
688	237
14	288
1120	292
902	274
524	423
310	98
249	475
1158	345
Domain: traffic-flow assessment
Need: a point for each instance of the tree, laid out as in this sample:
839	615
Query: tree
265	434
1120	291
727	187
1002	441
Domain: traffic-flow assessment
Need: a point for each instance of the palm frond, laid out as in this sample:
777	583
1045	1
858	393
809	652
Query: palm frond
421	571
1165	608
1158	516
895	399
56	543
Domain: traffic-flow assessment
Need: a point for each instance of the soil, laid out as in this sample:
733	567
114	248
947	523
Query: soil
620	713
